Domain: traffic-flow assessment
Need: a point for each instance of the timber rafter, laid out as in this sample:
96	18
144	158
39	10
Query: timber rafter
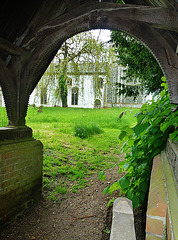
156	16
11	49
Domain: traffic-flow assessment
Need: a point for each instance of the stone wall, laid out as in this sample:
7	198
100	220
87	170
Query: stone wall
20	172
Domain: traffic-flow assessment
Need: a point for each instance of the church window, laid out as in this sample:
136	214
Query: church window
75	96
101	83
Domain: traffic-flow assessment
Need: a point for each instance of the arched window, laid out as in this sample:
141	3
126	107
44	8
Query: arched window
75	96
97	104
101	83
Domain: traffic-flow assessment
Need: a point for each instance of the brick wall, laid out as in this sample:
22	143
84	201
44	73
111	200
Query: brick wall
20	176
162	209
157	203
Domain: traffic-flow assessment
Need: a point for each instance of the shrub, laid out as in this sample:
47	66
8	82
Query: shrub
84	130
156	121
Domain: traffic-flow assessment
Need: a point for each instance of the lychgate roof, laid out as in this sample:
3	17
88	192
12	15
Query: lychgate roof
15	16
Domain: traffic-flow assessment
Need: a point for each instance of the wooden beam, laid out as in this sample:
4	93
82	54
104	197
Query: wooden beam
71	4
10	48
157	16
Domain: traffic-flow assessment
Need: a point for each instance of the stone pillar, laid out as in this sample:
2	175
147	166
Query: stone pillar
123	220
20	172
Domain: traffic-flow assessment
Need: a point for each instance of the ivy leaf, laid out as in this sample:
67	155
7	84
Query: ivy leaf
140	118
121	164
110	202
114	187
143	186
174	136
135	199
101	176
164	126
122	135
106	190
124	182
139	128
128	130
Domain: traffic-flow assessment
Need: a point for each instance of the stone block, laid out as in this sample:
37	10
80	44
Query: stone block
123	220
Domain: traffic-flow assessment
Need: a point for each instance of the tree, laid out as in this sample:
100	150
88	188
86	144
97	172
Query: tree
140	64
80	53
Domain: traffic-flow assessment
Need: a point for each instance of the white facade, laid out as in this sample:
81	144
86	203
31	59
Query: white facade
2	104
85	92
83	95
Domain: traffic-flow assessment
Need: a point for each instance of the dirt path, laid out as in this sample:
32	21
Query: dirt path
79	216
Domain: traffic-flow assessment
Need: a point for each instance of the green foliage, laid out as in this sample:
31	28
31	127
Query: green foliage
3	117
155	123
84	130
140	64
120	1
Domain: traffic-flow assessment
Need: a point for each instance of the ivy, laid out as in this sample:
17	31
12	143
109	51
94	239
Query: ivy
156	122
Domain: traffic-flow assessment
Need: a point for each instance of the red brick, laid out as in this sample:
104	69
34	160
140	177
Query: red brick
154	226
158	210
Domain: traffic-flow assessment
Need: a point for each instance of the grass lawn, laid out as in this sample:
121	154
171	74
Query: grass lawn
69	161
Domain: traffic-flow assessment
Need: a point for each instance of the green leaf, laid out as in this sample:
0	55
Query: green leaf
135	199
124	182
139	128
101	176
128	130
106	190
143	186
140	118
110	202
114	187
121	164
122	135
174	135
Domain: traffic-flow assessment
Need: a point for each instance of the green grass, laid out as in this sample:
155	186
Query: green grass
69	161
87	129
3	117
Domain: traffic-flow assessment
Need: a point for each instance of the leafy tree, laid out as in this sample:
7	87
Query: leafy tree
140	64
80	53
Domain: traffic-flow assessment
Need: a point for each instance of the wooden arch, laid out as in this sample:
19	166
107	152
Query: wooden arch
30	61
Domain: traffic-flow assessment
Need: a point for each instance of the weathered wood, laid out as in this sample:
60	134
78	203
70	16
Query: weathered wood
10	48
72	4
156	16
44	36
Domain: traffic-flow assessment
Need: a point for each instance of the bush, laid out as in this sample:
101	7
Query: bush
84	130
156	122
